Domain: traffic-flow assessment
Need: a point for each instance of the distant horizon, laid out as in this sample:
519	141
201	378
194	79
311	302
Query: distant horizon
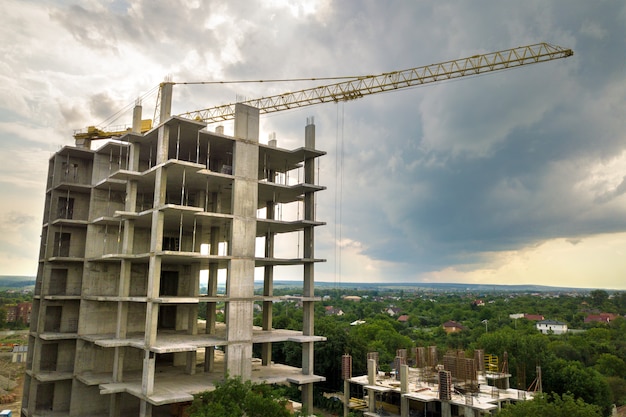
484	286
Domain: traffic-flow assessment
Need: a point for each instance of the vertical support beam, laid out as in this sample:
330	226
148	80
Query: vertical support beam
404	388
446	409
191	363
211	307
346	397
147	381
268	283
115	405
145	409
240	281
154	269
371	380
137	115
166	101
308	291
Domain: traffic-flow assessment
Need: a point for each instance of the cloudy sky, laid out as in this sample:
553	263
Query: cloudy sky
516	177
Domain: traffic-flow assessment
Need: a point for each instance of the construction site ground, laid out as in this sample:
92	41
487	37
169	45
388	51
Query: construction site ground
11	374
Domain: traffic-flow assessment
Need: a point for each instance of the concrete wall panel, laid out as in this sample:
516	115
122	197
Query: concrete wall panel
97	317
136	317
95	405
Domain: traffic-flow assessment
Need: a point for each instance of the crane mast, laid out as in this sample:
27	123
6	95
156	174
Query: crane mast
389	81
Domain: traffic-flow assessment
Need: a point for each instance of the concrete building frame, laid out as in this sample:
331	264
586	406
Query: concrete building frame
128	230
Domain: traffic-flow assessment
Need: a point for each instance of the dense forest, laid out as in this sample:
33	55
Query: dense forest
588	362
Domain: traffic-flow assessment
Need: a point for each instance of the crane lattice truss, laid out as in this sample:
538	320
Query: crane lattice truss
372	84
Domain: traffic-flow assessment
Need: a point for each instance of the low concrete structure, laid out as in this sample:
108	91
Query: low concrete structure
429	391
129	229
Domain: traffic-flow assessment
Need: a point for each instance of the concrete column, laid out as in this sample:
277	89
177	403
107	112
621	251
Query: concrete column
268	284
137	116
152	309
308	312
346	397
133	158
191	363
166	101
240	281
156	244
469	412
307	398
211	307
128	241
147	380
145	409
32	394
371	380
404	388
115	405
163	144
118	364
122	306
446	410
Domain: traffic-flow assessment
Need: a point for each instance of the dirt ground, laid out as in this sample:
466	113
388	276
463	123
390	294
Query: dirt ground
15	373
11	374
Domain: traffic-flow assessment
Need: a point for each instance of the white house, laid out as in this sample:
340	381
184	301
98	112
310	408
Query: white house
551	326
19	353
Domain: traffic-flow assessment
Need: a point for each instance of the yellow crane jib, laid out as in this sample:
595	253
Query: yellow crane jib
93	133
371	84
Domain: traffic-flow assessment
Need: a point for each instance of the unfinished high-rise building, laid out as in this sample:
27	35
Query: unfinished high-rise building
131	230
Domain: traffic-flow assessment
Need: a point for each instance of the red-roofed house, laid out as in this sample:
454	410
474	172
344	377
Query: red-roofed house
534	317
332	311
452	326
600	318
403	318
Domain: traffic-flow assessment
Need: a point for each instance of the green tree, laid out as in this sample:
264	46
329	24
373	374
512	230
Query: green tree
551	406
561	376
3	317
618	390
598	297
611	365
235	398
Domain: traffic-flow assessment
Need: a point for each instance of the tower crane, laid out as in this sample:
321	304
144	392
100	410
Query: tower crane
371	84
357	87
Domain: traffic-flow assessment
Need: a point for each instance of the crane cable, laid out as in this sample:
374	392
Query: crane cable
276	80
112	118
339	142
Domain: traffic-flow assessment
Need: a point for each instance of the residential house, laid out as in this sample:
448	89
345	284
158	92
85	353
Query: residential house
534	317
452	327
600	318
551	326
18	354
392	311
332	311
